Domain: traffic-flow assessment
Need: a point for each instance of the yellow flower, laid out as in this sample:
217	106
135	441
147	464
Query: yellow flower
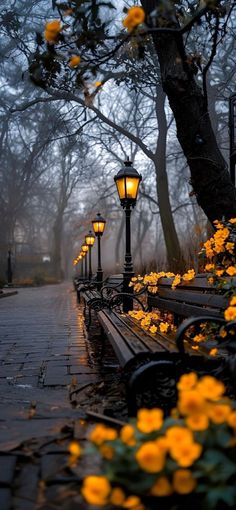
232	420
183	481
96	490
153	329
219	413
190	275
195	347
164	326
209	387
74	60
74	449
135	16
161	487
52	30
223	333
233	301
213	352
106	451
187	381
100	433
197	422
185	454
179	435
132	502
176	281
150	457
219	272
209	267
231	271
232	220
191	401
230	313
117	497
99	84
230	247
149	420
199	338
210	280
127	435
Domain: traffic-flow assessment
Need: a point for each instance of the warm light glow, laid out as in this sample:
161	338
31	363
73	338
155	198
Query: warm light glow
127	187
84	248
127	182
99	224
90	239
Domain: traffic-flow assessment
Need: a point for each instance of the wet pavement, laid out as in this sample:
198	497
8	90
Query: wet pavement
50	374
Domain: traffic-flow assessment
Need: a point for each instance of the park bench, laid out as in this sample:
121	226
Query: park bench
190	299
93	296
152	364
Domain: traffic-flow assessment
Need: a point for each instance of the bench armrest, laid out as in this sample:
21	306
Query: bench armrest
195	321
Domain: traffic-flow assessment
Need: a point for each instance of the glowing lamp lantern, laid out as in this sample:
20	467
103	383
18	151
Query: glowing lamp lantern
98	227
127	182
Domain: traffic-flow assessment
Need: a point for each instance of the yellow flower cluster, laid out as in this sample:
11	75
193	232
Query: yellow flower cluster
151	280
135	16
167	451
52	30
151	321
221	247
230	312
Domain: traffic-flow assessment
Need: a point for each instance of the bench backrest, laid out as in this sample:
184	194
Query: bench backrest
193	298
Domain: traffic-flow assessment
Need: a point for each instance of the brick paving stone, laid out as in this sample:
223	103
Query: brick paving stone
7	469
26	487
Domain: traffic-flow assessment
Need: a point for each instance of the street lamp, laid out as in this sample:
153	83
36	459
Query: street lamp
127	182
232	134
98	227
90	239
84	249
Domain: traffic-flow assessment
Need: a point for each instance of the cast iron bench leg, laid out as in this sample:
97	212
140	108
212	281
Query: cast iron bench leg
166	391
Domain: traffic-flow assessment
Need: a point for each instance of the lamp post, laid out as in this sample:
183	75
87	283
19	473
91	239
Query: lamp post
98	227
127	182
84	249
232	135
9	268
82	264
90	239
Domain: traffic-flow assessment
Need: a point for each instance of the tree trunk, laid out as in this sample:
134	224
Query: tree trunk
210	179
56	251
174	255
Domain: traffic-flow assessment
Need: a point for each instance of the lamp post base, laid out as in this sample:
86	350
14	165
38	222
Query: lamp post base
127	302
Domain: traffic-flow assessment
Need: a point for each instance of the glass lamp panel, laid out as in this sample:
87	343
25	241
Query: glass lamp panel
128	187
132	185
98	227
89	240
84	248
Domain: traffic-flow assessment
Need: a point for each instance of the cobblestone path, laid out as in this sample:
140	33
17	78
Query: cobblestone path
44	358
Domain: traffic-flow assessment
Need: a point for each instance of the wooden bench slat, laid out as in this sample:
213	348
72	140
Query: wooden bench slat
200	281
193	297
182	309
